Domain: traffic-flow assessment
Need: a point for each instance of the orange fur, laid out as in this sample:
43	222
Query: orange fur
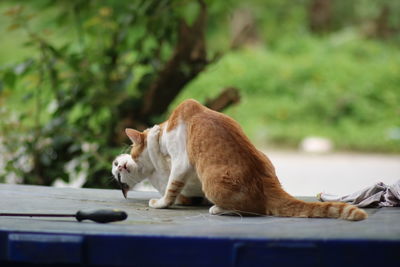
234	174
138	142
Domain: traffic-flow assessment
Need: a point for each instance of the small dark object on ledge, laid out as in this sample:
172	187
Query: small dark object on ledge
100	216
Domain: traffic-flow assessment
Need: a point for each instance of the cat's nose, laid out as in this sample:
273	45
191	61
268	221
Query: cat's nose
123	166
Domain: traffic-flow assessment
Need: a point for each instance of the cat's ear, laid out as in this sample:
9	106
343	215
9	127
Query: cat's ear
135	136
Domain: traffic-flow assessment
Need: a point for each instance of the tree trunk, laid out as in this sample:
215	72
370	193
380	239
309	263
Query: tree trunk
188	60
320	15
226	98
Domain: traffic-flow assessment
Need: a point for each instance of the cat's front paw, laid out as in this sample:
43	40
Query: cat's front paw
158	203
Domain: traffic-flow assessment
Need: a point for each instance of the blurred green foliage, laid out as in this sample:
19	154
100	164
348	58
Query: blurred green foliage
340	87
66	68
86	59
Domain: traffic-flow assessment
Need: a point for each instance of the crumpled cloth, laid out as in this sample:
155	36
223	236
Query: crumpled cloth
378	195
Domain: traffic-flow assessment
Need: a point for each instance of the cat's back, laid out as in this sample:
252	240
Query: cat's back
215	138
190	112
184	113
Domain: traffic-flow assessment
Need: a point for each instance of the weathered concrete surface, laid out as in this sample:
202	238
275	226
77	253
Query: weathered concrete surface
177	221
305	174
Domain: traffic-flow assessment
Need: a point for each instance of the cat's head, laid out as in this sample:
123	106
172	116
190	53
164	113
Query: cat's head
130	169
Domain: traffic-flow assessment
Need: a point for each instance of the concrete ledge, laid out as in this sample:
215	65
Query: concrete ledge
182	234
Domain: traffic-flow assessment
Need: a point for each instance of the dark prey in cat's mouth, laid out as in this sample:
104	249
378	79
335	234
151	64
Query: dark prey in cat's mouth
124	186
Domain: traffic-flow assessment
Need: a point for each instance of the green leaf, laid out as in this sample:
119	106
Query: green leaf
9	78
78	112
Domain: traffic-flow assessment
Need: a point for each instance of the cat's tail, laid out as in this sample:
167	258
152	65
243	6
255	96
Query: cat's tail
291	207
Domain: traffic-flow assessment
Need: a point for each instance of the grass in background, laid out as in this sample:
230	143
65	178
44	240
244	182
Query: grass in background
343	87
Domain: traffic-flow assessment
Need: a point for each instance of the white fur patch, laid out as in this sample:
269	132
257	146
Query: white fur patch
174	143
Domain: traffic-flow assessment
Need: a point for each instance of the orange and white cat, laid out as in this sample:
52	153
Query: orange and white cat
234	175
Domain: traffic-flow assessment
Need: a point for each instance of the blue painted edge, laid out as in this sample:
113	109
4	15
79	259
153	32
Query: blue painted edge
118	250
44	248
